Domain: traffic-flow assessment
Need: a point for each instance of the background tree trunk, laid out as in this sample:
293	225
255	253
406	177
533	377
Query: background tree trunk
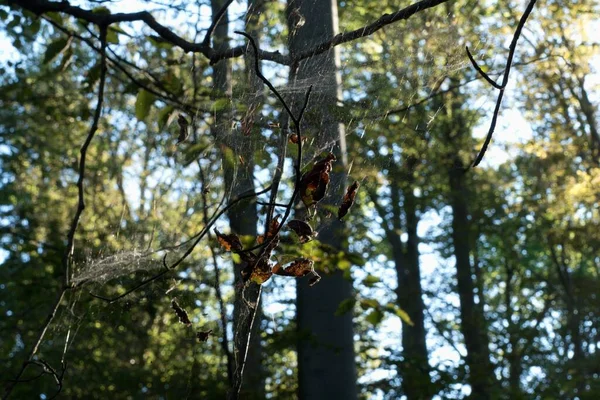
243	217
326	365
473	327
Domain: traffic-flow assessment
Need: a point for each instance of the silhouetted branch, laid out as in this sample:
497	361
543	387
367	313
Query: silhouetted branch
222	309
245	331
368	30
39	7
511	53
215	22
478	69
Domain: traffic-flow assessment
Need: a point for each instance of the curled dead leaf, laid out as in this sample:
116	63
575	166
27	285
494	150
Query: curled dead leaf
293	138
302	229
258	271
181	313
348	200
203	336
314	183
183	129
298	268
229	242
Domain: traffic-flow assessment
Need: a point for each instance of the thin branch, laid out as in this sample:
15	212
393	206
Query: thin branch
483	74
367	30
215	22
39	7
511	53
297	167
66	260
245	333
34	349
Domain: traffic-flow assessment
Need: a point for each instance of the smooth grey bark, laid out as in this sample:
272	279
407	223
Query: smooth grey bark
326	365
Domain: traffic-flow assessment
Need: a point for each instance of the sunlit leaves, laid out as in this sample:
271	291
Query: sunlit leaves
299	268
229	242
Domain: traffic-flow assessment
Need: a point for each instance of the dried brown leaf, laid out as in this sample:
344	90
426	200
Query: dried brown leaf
229	242
293	138
314	183
181	313
302	229
348	200
183	129
203	336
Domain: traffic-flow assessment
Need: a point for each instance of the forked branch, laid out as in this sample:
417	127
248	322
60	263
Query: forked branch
502	86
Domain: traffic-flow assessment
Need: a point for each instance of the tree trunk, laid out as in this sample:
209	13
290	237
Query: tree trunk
326	366
243	217
416	381
473	327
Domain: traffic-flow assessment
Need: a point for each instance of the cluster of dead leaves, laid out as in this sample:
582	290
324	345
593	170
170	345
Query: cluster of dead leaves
260	268
314	184
312	188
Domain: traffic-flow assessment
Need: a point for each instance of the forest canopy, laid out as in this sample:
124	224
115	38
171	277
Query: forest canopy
313	199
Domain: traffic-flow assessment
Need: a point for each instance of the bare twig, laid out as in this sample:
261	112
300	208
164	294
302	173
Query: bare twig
245	333
511	53
66	259
483	74
297	167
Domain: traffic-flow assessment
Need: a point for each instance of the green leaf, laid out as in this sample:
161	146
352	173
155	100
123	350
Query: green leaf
365	304
404	316
165	117
112	36
345	306
356	259
370	280
228	158
220	104
375	317
394	309
55	48
101	10
143	102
